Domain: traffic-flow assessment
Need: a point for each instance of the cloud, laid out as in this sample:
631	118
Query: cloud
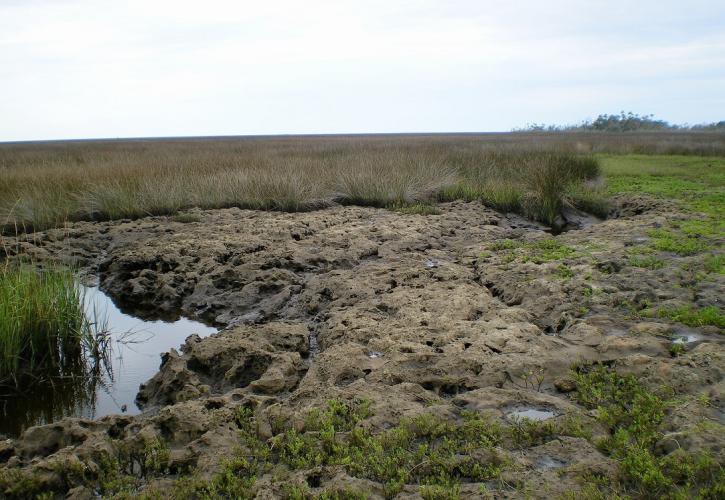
81	68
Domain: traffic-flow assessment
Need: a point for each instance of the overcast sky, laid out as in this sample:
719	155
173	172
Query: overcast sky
95	68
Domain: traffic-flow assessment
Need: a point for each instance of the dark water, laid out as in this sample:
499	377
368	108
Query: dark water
134	357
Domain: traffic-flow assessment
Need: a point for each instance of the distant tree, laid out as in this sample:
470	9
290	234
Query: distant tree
710	127
622	122
626	122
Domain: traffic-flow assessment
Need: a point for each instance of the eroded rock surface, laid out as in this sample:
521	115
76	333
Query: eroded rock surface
416	314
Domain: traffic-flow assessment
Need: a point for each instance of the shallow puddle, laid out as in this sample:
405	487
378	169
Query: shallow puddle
549	462
685	336
531	414
134	357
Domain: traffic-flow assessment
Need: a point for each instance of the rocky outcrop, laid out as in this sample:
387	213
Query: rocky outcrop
414	314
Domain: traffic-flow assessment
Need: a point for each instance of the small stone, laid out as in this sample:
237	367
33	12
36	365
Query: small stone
565	384
609	266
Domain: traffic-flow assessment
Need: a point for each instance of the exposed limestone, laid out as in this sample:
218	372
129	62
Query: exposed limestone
415	314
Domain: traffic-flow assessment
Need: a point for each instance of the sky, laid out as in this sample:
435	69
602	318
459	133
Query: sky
97	68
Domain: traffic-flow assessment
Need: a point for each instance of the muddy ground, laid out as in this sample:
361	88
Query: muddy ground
417	314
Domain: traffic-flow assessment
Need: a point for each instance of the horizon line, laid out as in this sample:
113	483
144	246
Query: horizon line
327	134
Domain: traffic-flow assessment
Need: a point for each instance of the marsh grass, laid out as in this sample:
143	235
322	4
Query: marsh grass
44	330
46	185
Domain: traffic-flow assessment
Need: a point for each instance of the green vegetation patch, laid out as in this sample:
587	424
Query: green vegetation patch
715	264
697	184
434	453
547	250
43	327
646	262
634	415
677	242
538	252
685	178
690	315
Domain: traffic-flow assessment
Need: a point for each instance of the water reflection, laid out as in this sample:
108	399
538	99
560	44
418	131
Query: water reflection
104	388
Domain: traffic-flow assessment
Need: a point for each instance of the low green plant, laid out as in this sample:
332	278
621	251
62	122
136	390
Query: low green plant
677	242
646	262
691	316
525	433
564	272
415	209
715	264
504	244
539	251
547	250
634	415
676	349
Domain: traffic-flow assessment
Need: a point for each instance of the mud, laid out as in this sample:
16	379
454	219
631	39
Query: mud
413	313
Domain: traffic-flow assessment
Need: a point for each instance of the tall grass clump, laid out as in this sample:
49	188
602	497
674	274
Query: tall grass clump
533	183
43	327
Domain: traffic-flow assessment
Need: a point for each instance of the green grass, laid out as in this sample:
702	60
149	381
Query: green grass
43	327
691	316
687	178
535	184
696	184
677	242
715	264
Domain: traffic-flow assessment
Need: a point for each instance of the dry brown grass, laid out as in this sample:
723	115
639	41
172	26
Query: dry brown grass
45	184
